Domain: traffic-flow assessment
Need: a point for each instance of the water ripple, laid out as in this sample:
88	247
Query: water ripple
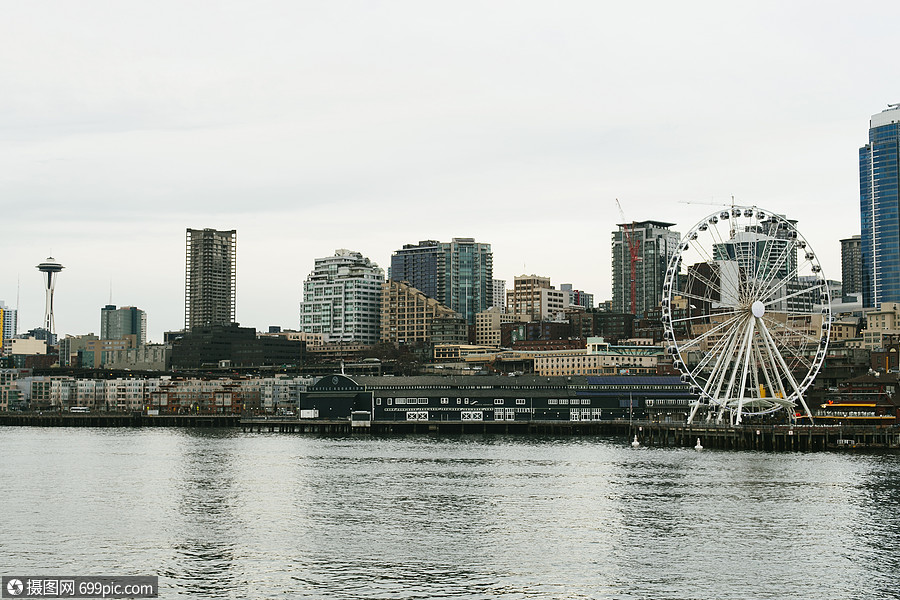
222	514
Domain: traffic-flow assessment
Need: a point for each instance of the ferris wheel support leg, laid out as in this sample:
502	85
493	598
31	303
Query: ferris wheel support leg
806	409
748	348
721	413
788	375
694	410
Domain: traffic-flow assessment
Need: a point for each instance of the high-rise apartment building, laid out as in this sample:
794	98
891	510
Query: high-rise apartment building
851	265
408	316
209	279
458	274
342	299
116	323
879	209
654	245
8	326
422	266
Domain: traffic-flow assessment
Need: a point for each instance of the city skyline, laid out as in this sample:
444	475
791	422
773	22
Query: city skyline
315	128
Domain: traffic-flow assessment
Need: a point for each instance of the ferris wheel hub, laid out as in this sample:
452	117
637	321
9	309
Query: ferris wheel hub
758	309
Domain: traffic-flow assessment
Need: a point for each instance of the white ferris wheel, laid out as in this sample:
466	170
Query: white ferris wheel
747	314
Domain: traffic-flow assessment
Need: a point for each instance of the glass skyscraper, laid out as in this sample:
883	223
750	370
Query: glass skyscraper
116	323
655	244
419	266
879	209
458	274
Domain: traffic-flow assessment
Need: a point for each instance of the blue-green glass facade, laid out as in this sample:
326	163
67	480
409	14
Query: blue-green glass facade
458	274
419	266
879	209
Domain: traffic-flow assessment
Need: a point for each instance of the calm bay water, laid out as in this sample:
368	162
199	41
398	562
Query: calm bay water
224	514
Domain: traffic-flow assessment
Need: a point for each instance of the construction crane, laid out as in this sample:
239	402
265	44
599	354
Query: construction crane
707	203
634	248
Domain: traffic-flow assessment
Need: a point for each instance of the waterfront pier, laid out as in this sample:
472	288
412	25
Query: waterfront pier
777	438
771	438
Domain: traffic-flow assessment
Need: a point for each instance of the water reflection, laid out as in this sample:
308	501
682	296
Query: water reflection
206	525
226	514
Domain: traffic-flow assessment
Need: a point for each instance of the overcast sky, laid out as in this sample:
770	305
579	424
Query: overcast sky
312	126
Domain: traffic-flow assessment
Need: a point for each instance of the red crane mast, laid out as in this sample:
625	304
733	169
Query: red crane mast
634	248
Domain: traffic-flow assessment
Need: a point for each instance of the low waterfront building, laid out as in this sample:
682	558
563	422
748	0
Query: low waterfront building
548	345
204	396
10	395
600	358
498	398
868	399
456	352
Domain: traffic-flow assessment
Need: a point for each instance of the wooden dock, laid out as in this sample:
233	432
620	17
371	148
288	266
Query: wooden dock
771	438
777	438
54	419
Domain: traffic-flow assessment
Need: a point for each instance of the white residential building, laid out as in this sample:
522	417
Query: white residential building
342	299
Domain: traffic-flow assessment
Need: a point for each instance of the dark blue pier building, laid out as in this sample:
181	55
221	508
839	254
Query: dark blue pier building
525	398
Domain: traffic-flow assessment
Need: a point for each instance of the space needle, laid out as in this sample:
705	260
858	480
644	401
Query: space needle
49	268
